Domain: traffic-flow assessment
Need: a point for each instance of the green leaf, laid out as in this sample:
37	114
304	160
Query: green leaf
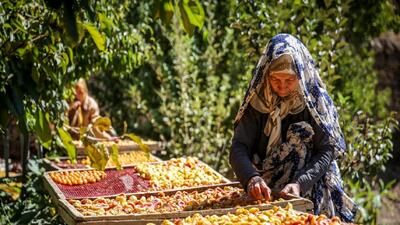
98	39
164	10
64	62
68	145
102	123
167	11
114	156
71	55
138	141
34	167
42	128
297	2
105	23
189	28
195	12
98	155
125	127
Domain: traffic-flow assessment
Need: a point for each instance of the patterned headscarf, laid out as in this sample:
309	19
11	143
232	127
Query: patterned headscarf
267	101
311	87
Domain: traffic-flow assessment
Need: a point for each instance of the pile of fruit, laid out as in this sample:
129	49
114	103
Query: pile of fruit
131	158
126	158
77	177
254	216
124	143
178	173
67	164
226	197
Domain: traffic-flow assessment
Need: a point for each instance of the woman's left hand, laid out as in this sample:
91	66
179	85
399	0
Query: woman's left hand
291	188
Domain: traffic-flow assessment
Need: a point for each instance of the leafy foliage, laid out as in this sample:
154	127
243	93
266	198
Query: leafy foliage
67	144
34	206
187	93
46	46
176	71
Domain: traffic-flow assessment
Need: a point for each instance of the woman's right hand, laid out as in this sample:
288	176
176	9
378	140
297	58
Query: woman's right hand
257	188
76	105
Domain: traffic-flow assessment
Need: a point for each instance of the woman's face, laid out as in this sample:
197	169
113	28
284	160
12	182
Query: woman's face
282	83
80	93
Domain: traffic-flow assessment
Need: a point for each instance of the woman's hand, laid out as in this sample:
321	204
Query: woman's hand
257	188
291	188
76	105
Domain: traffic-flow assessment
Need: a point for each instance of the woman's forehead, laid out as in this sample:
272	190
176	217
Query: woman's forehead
79	87
282	75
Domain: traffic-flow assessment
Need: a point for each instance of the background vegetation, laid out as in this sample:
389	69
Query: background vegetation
176	71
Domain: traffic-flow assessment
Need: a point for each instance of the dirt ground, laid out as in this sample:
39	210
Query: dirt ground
390	213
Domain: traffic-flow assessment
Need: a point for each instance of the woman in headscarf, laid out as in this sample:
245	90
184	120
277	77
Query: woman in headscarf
287	133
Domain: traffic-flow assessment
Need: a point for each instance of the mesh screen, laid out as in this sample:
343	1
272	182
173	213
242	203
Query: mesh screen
116	182
66	165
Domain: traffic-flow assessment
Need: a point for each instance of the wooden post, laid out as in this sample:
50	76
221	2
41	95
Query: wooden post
40	151
24	140
6	151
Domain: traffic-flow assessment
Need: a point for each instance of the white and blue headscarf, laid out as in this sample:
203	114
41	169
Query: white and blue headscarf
311	87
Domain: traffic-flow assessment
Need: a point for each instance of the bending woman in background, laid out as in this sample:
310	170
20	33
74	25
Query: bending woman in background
85	110
287	134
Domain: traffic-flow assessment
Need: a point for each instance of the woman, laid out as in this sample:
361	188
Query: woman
85	110
287	134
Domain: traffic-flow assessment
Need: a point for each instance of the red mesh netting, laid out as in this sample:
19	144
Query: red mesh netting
66	165
116	182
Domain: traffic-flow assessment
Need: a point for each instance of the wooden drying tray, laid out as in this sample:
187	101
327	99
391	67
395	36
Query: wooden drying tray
73	217
56	193
153	145
51	165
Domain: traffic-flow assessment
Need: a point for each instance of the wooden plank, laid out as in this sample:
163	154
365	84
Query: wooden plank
52	188
77	216
169	192
298	203
66	213
69	215
122	222
51	165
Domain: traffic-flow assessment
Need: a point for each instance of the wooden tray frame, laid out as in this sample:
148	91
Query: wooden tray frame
72	216
153	145
56	193
51	166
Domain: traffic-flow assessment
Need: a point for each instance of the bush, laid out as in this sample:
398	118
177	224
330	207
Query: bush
185	89
34	205
188	93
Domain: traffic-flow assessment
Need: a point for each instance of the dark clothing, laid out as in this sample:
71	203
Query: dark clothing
249	139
